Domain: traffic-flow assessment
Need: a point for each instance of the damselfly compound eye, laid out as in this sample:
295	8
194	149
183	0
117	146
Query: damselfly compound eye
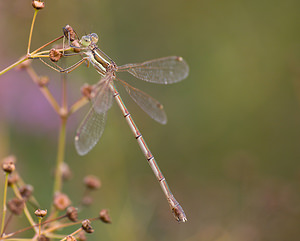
94	37
85	40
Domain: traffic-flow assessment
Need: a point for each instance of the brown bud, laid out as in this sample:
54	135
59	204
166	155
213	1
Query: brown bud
38	4
86	90
26	191
16	205
69	32
66	171
61	201
75	44
92	182
55	55
43	81
81	236
72	213
42	237
104	217
40	213
12	179
24	64
87	200
8	164
86	226
70	238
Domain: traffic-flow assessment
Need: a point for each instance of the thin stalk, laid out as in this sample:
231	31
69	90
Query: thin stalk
4	202
44	89
26	211
61	140
14	65
30	227
45	45
31	30
72	234
78	104
60	156
40	226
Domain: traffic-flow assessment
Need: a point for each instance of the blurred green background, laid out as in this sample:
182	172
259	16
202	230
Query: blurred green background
230	150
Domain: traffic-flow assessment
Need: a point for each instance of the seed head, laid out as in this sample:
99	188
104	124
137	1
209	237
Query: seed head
70	238
8	164
43	81
104	217
81	236
72	213
40	213
87	200
69	32
16	205
42	237
26	191
24	64
86	90
38	4
12	179
75	44
92	182
66	171
61	201
54	55
86	226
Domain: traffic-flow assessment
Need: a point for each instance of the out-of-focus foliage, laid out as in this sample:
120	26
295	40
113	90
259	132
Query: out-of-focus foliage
230	150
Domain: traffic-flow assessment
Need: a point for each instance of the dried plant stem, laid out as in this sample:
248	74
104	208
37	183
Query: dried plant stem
14	65
4	202
27	213
72	234
31	30
44	89
60	156
40	226
62	140
30	227
33	54
78	104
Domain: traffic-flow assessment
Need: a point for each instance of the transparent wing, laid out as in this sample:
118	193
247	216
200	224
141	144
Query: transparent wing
89	131
148	104
165	70
103	95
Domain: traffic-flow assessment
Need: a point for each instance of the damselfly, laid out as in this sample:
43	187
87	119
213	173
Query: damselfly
165	70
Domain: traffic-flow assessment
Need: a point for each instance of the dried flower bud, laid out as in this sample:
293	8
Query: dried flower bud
81	236
86	90
16	205
92	182
86	226
70	238
8	164
55	55
87	200
70	33
38	4
12	179
40	213
61	201
66	171
42	237
24	64
72	213
26	191
43	81
104	217
75	44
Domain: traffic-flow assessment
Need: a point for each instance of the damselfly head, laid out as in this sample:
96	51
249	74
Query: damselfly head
94	37
86	40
